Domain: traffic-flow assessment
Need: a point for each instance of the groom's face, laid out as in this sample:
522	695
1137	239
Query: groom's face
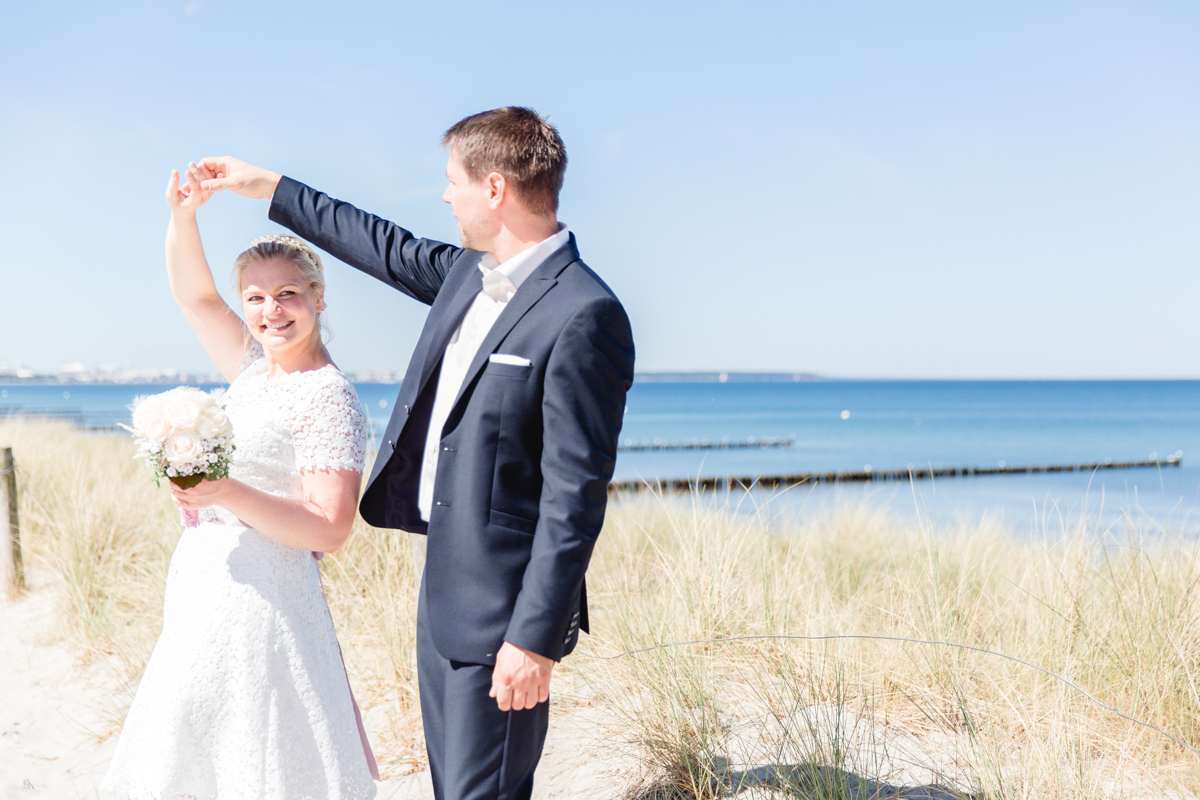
470	202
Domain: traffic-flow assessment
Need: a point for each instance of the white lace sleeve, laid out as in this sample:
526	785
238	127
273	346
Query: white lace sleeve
254	351
331	429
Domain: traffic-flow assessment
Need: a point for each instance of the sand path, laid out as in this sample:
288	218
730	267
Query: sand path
53	723
50	723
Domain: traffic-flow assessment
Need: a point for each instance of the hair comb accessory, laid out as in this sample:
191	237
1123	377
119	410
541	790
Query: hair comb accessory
279	238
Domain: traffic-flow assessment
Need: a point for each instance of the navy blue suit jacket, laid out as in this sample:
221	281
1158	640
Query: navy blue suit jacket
527	451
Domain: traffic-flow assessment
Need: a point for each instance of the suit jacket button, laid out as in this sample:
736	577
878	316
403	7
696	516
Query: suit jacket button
406	408
392	446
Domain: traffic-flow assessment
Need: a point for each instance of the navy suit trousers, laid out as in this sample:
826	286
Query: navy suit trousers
476	751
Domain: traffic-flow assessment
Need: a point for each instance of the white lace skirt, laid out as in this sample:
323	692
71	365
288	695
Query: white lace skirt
245	695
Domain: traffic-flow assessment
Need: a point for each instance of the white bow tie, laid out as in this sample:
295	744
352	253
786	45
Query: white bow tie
497	286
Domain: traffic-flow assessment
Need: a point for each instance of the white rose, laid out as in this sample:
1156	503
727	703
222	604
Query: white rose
182	448
147	411
182	413
213	424
157	429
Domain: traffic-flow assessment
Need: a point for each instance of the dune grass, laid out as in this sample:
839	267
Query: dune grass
1121	619
824	719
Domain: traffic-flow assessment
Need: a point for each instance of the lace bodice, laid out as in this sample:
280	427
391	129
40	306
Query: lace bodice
287	424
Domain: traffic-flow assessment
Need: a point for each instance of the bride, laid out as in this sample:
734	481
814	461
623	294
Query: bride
245	695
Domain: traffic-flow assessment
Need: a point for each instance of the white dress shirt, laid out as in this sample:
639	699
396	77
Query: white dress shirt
460	352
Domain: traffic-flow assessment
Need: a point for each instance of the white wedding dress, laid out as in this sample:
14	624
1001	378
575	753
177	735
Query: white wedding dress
245	696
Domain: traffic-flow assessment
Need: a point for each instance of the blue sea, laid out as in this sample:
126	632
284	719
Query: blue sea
853	425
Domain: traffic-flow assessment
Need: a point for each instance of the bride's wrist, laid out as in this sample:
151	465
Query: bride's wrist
229	493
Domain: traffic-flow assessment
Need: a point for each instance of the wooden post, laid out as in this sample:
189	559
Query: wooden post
11	564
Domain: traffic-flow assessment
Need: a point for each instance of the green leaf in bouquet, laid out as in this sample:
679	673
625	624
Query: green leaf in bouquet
186	481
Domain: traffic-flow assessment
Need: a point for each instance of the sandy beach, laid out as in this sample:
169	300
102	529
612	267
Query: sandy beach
57	734
56	738
52	731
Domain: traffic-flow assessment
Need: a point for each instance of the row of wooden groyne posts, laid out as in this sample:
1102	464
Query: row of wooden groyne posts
12	573
75	417
752	443
727	483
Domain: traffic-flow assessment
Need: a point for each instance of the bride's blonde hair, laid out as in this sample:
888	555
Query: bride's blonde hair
295	252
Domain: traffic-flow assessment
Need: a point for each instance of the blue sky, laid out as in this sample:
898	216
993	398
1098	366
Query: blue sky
870	189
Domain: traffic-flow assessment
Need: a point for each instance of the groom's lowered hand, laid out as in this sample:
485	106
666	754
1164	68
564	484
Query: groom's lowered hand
521	678
240	177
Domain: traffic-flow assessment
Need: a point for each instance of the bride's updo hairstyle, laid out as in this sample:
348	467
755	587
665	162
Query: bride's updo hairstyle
289	249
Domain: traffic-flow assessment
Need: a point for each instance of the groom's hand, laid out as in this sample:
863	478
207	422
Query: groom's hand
240	177
521	678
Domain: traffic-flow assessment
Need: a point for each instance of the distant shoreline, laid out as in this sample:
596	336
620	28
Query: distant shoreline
141	380
373	376
383	377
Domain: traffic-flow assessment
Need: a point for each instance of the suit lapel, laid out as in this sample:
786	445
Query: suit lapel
532	290
455	310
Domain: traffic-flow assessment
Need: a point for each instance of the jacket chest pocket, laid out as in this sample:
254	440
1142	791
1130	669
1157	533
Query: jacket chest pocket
496	369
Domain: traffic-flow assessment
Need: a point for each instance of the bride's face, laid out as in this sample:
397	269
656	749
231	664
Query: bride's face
279	306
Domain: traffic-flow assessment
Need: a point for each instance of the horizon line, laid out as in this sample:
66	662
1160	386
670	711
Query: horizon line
164	376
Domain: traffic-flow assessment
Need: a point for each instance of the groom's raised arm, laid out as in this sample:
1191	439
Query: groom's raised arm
383	250
417	267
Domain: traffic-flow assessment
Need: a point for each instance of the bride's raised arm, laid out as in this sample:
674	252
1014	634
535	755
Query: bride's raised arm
219	329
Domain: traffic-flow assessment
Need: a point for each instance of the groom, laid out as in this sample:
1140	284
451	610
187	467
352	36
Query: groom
503	437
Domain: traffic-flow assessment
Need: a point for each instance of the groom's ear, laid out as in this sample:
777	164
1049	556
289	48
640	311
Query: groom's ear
497	189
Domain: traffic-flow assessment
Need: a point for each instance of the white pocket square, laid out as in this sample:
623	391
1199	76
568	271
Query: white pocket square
505	358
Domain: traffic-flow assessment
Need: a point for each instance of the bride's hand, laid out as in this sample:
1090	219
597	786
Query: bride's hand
187	198
226	172
204	494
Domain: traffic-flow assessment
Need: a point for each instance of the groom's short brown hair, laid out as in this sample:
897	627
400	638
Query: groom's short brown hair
520	145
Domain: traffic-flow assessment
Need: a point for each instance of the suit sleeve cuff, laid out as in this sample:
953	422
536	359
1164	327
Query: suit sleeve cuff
285	201
544	636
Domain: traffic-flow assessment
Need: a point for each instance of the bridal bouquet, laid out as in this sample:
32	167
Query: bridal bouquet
183	435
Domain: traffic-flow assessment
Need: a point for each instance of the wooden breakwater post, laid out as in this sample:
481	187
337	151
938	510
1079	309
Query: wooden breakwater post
12	566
